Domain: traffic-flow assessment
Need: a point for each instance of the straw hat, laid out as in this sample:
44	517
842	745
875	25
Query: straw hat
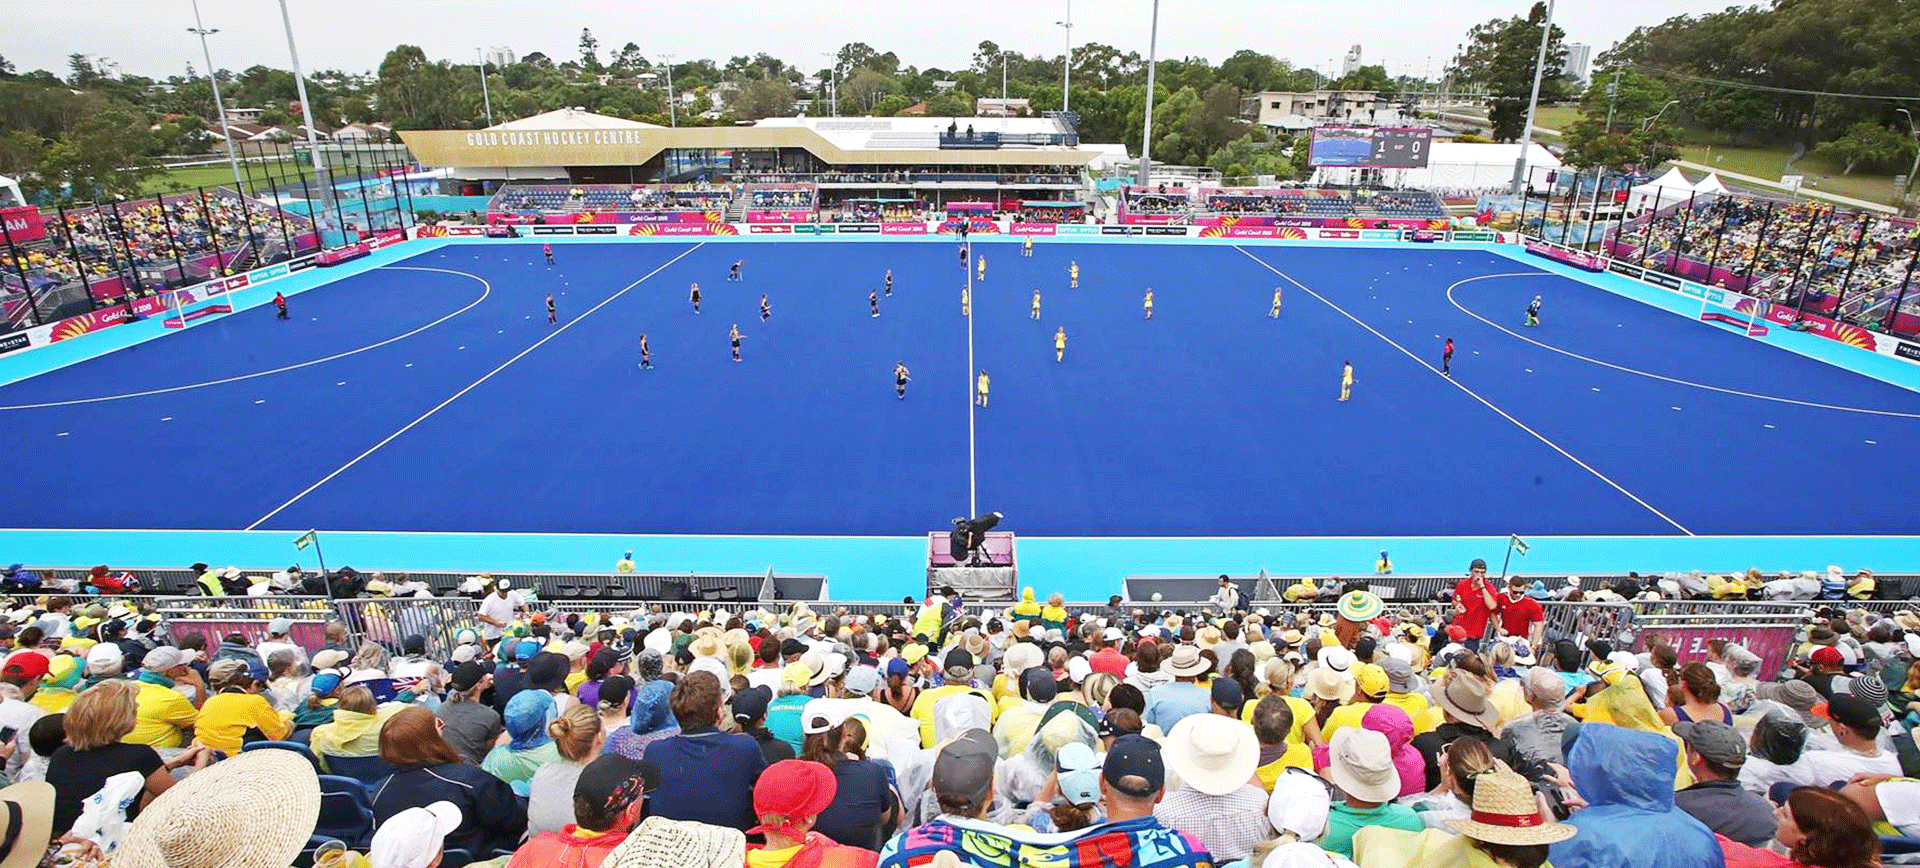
707	645
1504	812
1360	606
1021	656
1186	662
1208	637
254	810
662	843
1212	753
30	831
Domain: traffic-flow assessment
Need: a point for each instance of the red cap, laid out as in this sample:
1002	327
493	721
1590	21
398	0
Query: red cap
1456	632
794	790
25	664
1827	656
1110	661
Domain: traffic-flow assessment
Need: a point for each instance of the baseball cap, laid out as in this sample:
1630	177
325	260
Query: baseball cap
1373	679
1037	684
1852	711
958	665
103	655
1227	694
963	769
819	716
897	666
1827	655
414	644
792	648
750	704
324	683
328	659
1135	756
466	675
1478	564
792	791
279	626
164	658
614	782
26	664
862	681
1079	774
465	653
414	837
1715	741
1456	633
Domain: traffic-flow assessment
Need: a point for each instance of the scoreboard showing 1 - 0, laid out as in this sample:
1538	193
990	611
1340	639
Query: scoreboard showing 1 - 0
1371	147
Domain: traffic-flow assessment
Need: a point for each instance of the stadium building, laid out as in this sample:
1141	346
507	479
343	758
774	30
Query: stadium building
885	164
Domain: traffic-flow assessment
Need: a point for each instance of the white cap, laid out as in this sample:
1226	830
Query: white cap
279	626
1078	669
414	837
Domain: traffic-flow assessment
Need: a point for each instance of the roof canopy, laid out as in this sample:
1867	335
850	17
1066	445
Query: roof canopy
573	119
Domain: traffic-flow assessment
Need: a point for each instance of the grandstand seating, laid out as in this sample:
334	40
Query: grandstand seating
1408	204
571	198
1279	201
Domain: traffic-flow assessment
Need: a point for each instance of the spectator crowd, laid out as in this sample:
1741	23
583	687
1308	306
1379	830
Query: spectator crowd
944	732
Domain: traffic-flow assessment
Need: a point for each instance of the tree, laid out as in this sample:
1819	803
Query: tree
538	59
955	103
1507	62
80	71
1373	78
6	68
890	105
628	60
763	98
418	94
867	88
1254	154
986	57
108	153
1590	145
1635	98
590	52
1866	142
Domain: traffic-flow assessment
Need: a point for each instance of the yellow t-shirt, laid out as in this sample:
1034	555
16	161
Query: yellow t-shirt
764	858
574	680
1302	712
1298	756
225	718
53	700
1412	703
160	716
1350	714
1059	341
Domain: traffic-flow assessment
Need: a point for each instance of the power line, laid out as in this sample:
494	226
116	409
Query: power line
1749	86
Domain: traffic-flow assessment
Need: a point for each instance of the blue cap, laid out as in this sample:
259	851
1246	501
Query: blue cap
897	666
324	683
525	650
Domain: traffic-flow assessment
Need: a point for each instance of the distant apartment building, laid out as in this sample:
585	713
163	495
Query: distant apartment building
1579	60
1277	110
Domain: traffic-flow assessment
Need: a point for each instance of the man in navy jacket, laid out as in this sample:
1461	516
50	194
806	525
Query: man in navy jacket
705	775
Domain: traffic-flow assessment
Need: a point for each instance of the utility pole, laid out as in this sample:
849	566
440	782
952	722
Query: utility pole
1613	96
1146	140
1533	103
1906	192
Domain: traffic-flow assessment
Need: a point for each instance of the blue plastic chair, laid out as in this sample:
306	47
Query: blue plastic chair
294	746
368	770
346	812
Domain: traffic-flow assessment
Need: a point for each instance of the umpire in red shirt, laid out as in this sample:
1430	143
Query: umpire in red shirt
1475	600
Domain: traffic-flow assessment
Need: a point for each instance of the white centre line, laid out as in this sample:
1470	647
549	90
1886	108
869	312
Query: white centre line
1470	393
471	386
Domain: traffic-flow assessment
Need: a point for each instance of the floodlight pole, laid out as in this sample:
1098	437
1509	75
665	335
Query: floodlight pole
1533	103
1066	63
486	98
673	118
306	113
219	105
1146	138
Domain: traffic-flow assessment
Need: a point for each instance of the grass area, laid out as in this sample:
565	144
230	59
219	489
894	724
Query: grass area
1770	162
1556	117
217	174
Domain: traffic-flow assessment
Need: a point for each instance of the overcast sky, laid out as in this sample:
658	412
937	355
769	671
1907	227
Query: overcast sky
148	37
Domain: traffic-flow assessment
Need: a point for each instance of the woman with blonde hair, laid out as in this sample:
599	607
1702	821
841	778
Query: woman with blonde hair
355	730
1054	616
578	735
97	725
1276	678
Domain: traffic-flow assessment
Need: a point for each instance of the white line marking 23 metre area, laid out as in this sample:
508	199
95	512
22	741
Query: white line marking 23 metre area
486	290
1470	393
470	387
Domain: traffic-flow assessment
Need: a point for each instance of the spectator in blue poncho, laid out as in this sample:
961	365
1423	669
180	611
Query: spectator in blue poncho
1626	777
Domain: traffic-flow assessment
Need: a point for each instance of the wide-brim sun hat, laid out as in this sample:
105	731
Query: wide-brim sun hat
1360	606
27	831
1468	699
254	810
1360	762
662	843
1330	685
1504	812
1212	753
1186	662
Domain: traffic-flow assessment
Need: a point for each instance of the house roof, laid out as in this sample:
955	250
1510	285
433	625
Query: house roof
573	119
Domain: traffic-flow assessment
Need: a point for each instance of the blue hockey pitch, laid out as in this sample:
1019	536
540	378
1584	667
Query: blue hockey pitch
432	395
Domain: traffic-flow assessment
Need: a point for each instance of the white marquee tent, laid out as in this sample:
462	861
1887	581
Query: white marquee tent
1665	190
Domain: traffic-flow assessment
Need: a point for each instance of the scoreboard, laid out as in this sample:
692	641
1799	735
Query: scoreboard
1371	147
